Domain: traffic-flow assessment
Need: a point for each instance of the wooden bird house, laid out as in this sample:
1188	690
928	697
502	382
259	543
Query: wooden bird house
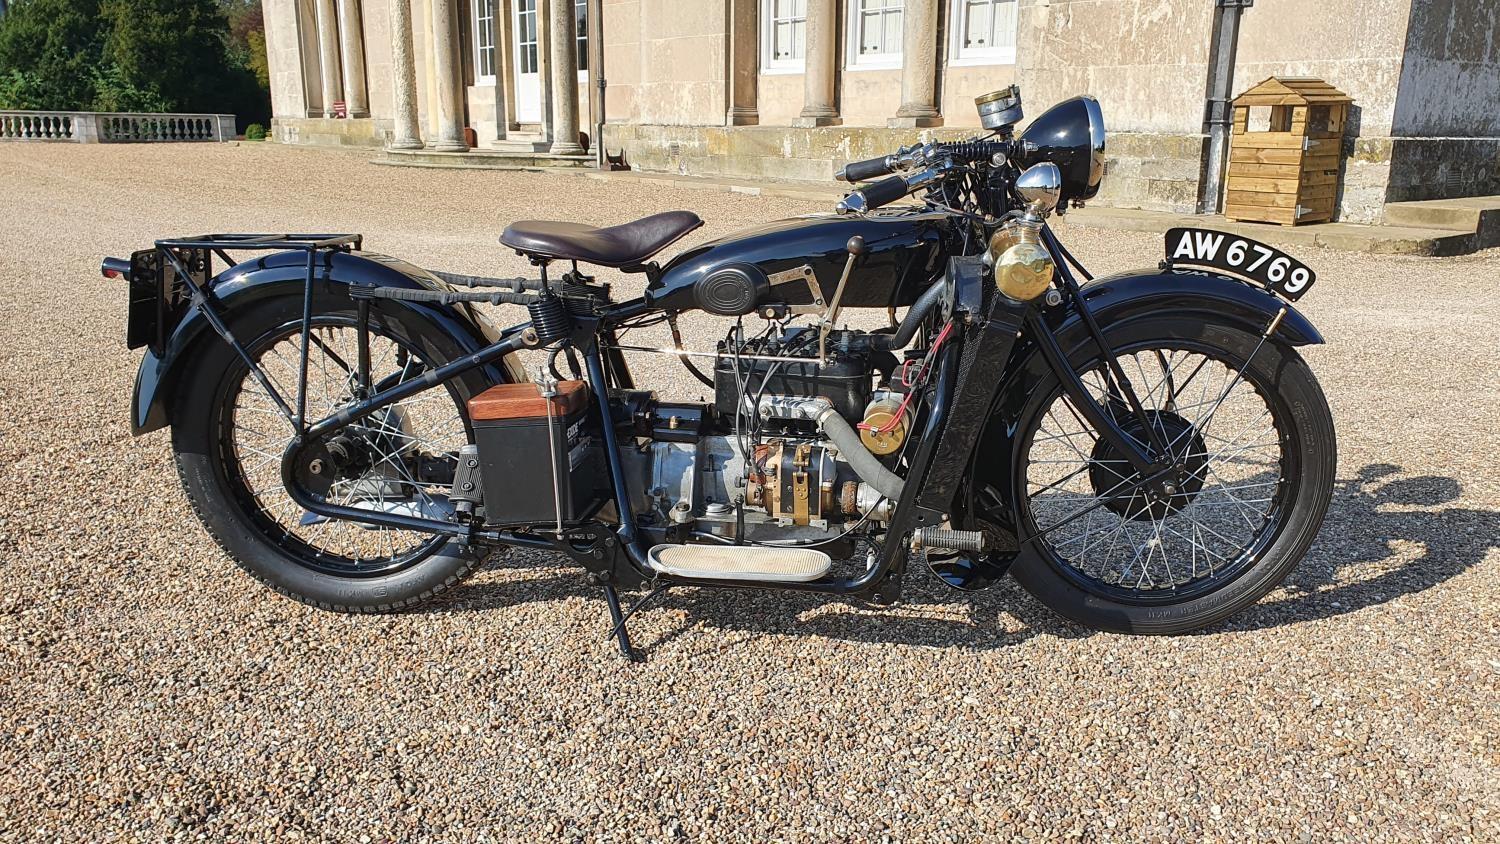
1284	156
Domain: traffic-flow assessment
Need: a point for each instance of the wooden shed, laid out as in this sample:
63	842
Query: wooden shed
1284	157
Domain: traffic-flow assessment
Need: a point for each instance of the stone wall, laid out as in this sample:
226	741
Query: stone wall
331	132
1146	62
756	152
1450	78
664	61
1446	123
1156	171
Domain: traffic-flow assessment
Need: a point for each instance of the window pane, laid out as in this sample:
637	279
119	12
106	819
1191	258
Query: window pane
893	31
1005	24
869	32
979	24
799	39
581	13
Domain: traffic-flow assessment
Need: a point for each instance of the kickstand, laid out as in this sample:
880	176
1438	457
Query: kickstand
619	618
622	636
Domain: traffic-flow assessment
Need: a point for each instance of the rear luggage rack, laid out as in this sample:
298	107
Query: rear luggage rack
175	272
191	262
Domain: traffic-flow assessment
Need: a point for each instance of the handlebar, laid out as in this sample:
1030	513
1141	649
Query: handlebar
860	171
885	191
938	158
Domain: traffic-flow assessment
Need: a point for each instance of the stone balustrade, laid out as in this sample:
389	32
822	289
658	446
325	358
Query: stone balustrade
92	127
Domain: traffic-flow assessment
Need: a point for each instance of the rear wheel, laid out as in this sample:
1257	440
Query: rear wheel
1251	432
229	435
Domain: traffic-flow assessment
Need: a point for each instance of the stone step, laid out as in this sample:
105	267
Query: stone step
1386	240
484	159
518	142
1477	215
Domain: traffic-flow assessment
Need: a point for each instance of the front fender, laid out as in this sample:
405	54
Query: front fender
1124	297
284	274
1113	301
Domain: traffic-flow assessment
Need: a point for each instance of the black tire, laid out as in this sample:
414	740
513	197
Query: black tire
1306	461
209	474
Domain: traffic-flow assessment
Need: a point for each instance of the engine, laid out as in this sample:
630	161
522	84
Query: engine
787	449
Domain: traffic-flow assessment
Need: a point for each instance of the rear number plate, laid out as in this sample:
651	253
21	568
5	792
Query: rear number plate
1240	256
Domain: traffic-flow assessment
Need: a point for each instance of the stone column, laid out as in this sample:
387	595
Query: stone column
919	52
352	50
818	70
563	24
744	63
445	55
406	134
328	54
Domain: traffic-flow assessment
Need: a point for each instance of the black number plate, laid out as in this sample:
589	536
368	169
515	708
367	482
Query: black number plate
1240	256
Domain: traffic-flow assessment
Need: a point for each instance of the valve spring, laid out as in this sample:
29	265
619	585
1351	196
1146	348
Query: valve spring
578	299
549	318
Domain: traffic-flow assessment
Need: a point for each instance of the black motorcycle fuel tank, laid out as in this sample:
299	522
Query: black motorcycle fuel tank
903	254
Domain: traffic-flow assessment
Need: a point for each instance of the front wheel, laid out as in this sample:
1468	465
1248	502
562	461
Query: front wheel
229	436
1247	425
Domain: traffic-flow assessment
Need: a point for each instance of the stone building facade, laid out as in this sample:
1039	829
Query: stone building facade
790	89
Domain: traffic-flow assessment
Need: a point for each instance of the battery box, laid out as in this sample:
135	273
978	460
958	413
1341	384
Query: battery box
522	451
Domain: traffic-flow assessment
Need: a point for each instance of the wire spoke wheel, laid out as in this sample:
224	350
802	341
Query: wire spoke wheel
1180	536
399	460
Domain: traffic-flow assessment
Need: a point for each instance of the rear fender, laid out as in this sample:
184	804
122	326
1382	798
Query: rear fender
1114	301
284	274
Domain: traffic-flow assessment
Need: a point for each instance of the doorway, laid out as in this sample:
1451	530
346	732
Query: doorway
527	60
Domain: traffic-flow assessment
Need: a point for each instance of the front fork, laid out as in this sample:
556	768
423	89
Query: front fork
1116	382
1153	462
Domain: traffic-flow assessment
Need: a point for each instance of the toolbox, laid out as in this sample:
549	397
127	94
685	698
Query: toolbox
524	449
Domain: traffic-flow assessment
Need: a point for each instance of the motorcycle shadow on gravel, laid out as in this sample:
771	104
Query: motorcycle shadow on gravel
1385	536
930	614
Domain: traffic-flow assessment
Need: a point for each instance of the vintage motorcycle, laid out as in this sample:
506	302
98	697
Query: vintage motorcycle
1145	452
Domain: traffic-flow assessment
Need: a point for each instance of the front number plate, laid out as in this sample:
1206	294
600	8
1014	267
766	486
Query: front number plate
1240	256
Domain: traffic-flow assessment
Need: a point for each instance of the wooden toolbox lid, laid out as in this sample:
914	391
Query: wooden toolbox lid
524	401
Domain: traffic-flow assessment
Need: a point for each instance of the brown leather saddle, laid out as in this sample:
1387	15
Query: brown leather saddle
625	246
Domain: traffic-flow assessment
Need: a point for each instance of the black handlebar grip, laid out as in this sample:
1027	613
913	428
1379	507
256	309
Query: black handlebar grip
884	192
859	171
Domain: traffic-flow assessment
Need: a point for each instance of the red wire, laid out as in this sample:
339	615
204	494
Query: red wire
901	411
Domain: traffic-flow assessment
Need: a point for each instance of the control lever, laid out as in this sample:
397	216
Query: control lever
856	247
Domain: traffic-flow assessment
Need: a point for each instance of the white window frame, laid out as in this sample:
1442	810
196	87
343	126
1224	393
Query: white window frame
856	60
496	54
961	56
581	43
769	64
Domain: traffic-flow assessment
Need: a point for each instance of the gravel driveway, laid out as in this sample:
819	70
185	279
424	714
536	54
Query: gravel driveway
150	691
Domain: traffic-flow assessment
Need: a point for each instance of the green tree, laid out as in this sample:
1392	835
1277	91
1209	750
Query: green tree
134	55
49	52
